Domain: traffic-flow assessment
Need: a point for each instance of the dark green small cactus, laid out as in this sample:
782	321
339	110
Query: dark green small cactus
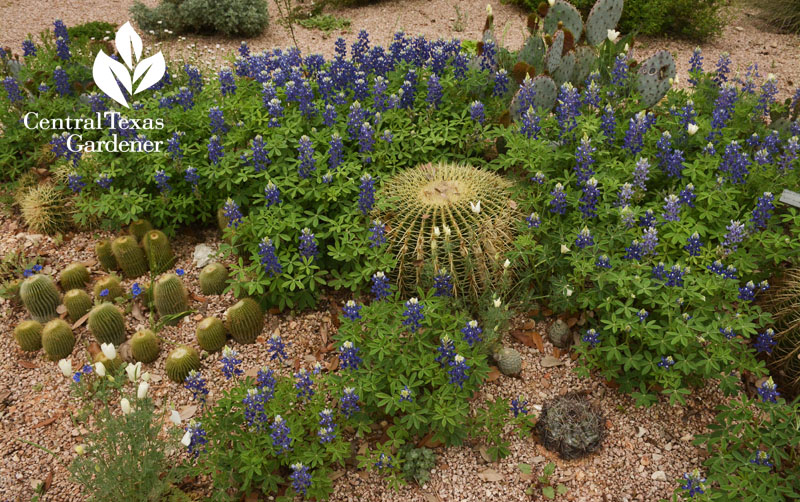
417	463
211	334
106	324
244	321
570	426
180	362
105	256
509	361
138	228
111	283
40	297
28	335
158	251
145	346
213	279
130	256
75	276
57	339
170	297
78	303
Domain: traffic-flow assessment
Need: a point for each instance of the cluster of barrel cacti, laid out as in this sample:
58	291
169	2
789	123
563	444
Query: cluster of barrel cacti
563	48
143	249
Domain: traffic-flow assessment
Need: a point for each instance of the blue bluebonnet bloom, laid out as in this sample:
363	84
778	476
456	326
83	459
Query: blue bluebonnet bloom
215	150
304	384
384	462
694	484
723	110
366	141
12	89
60	30
351	310
765	341
327	429
227	84
276	347
584	160
672	208
591	92
500	82
458	371
642	314
197	384
728	272
355	118
265	381
530	126
308	244
659	270
696	66
244	50
104	181
608	124
472	333
558	204
305	151
666	362
635	251
592	337
619	74
387	136
763	211
329	115
675	276
197	438
266	250
567	108
349	402
260	155
190	175
687	195
519	406
589	199
769	391
790	151
62	81
476	112
348	354
195	77
162	181
434	96
728	332
735	163
603	261
406	394
634	136
533	220
254	408
28	48
232	213
413	314
75	182
272	194
693	244
735	235
748	292
446	350
584	238
43	88
650	240
377	234
335	151
62	49
539	178
641	173
230	363
624	195
761	458
769	90
380	286
443	283
185	98
366	194
723	68
488	55
280	435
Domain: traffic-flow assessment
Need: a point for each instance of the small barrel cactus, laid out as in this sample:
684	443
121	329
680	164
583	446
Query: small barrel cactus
509	361
78	303
211	334
145	346
170	297
158	251
40	297
106	324
213	279
57	339
105	256
244	321
138	228
110	283
180	362
28	335
570	425
44	210
75	276
455	217
130	256
559	335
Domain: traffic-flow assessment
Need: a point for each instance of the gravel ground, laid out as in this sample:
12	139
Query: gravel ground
644	452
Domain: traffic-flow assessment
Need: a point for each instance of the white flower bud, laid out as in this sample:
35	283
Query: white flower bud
564	249
100	368
613	36
692	129
497	302
65	365
125	405
109	350
141	392
506	264
134	371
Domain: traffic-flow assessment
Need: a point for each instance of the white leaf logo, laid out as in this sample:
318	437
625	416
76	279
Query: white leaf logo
109	74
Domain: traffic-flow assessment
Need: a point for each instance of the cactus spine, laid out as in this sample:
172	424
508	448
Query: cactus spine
170	297
105	256
211	334
106	324
145	346
28	335
130	256
57	339
138	228
75	276
244	321
213	279
40	297
180	362
158	252
78	303
111	283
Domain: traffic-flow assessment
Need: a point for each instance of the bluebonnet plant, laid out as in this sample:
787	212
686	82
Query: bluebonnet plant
276	347
308	244
443	283
351	310
472	333
458	370
366	194
349	402
196	438
215	150
280	435
476	112
305	151
304	384
266	251
592	337
230	363
519	406
197	385
232	213
558	204
380	286
768	391
413	314
348	355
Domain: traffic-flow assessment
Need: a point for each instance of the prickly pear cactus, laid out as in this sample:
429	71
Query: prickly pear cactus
470	210
28	335
145	346
509	361
106	324
110	283
565	70
585	60
40	297
57	339
130	256
78	303
105	256
244	321
170	297
545	96
213	279
532	53
553	58
655	77
211	334
75	276
138	228
158	251
564	13
604	16
570	426
180	362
